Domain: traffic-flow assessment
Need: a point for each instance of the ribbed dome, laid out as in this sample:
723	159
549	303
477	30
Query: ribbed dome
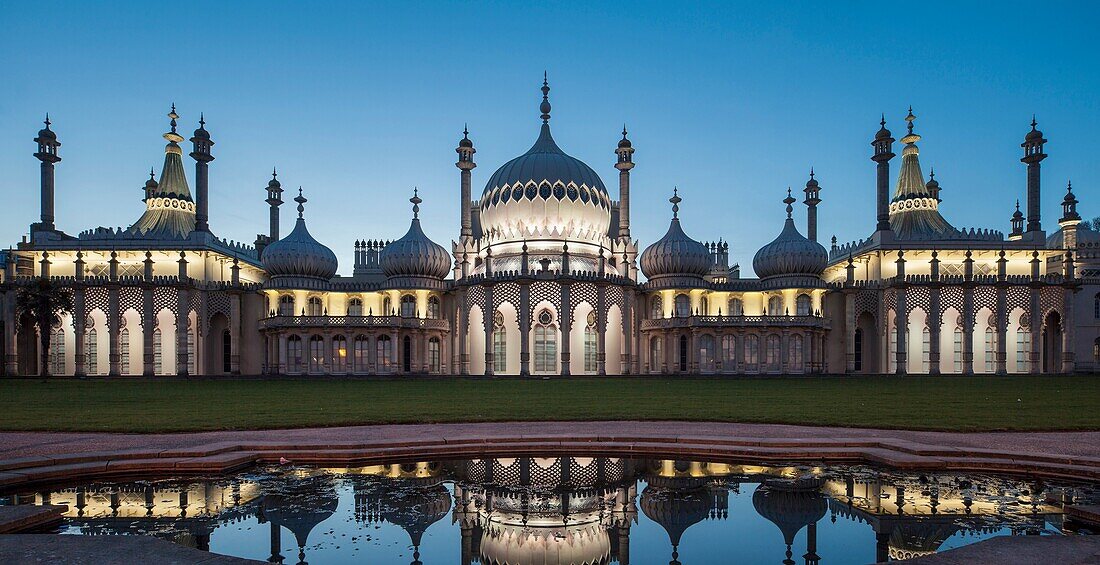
675	254
791	508
298	254
790	254
414	255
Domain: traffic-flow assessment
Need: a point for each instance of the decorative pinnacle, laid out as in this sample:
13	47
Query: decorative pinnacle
882	122
152	175
274	175
301	200
788	201
931	173
675	200
1033	122
47	120
910	119
811	172
202	122
624	131
465	131
416	203
174	117
545	106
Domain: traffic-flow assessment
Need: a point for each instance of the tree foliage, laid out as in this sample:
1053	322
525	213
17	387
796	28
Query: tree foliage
43	301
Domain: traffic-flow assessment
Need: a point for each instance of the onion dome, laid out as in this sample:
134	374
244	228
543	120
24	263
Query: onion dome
676	510
675	256
624	142
201	132
1034	134
547	193
791	254
299	505
882	133
169	209
414	257
46	133
298	254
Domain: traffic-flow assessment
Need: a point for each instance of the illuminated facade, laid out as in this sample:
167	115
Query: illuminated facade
543	279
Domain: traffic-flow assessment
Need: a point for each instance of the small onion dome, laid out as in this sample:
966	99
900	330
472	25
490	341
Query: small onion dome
675	254
1034	134
414	255
46	133
791	509
790	254
882	133
298	254
465	141
151	184
624	142
201	132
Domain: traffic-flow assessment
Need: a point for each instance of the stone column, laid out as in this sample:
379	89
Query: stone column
968	330
1002	330
487	313
11	356
935	323
524	329
235	334
114	357
422	351
601	329
1035	327
850	333
693	352
281	354
463	334
628	333
181	332
149	325
901	328
785	351
1068	356
372	353
739	351
566	315
666	351
80	324
327	352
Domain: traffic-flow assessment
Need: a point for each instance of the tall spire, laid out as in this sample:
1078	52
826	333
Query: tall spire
914	210
170	212
545	106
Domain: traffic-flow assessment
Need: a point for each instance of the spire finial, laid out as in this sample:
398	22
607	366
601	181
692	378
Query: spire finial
465	131
274	174
882	122
545	106
152	175
174	116
202	120
788	201
932	173
1033	122
301	200
811	172
909	119
416	203
675	200
624	130
47	120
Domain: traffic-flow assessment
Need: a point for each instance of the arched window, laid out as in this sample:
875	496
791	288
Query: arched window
925	349
752	352
546	343
57	351
706	353
286	305
794	363
892	349
158	353
124	351
957	347
434	310
192	359
355	307
590	344
339	354
771	352
387	306
384	352
408	306
729	353
656	309
316	354
227	352
360	354
314	306
802	305
683	305
500	344
683	350
433	355
775	306
1023	347
91	352
736	307
294	354
704	306
990	342
656	353
859	349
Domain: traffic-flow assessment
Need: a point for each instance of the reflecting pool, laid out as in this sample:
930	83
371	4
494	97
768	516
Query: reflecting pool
569	510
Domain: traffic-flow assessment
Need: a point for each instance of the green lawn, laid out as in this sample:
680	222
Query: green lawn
933	403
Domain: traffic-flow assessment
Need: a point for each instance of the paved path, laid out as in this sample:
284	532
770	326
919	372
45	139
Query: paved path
28	444
1020	550
54	549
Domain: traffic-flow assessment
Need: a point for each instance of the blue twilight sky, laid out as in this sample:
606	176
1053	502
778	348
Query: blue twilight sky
732	102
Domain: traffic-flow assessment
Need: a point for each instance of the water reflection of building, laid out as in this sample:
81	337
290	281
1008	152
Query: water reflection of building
298	503
412	497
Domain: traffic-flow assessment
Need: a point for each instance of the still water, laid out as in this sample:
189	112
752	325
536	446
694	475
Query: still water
569	510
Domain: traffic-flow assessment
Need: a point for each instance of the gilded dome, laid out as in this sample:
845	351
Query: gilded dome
675	254
414	255
790	254
298	254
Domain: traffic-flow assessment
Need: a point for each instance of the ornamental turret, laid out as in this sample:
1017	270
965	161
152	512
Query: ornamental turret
624	162
1070	219
914	210
202	143
1017	223
1033	155
414	261
150	187
298	255
274	200
169	210
813	198
882	145
790	259
466	164
675	259
47	154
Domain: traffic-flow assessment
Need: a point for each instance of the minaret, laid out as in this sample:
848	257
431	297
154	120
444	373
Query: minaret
1033	155
466	164
1017	223
625	162
201	154
47	153
813	193
1070	219
150	185
274	200
882	146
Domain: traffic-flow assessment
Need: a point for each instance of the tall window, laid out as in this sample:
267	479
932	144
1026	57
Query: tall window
314	306
706	352
771	349
286	305
359	356
656	309
892	361
316	354
795	361
752	352
91	352
355	307
958	349
433	354
124	351
590	343
339	354
227	352
1023	345
802	305
387	306
158	353
775	306
385	352
546	343
683	305
729	353
656	353
683	350
925	349
434	311
859	349
192	362
294	354
500	344
408	306
990	342
737	308
57	351
1096	306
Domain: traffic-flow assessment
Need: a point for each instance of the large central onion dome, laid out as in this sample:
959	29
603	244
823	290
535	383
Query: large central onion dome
675	256
545	193
790	254
415	257
298	254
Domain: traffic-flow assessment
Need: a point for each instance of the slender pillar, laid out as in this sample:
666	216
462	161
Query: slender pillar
628	339
149	318
47	154
487	313
566	315
524	329
901	319
968	330
1068	342
882	154
1002	330
274	200
813	198
850	333
182	318
601	330
234	334
465	164
625	162
114	316
201	154
1035	315
1033	156
934	325
80	324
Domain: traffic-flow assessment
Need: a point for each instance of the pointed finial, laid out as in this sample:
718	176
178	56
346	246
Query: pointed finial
174	116
202	121
545	106
465	131
675	200
1033	122
152	175
882	122
811	172
416	203
909	119
274	173
301	200
624	131
788	201
47	120
1017	204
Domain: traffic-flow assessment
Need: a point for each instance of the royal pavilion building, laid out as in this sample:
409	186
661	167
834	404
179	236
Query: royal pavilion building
545	278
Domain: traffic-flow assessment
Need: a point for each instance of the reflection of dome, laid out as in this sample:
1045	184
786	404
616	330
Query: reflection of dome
790	506
675	255
515	544
414	509
300	504
790	254
414	256
298	254
916	538
545	193
676	510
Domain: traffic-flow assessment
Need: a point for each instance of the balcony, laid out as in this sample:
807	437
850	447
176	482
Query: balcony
736	322
382	322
